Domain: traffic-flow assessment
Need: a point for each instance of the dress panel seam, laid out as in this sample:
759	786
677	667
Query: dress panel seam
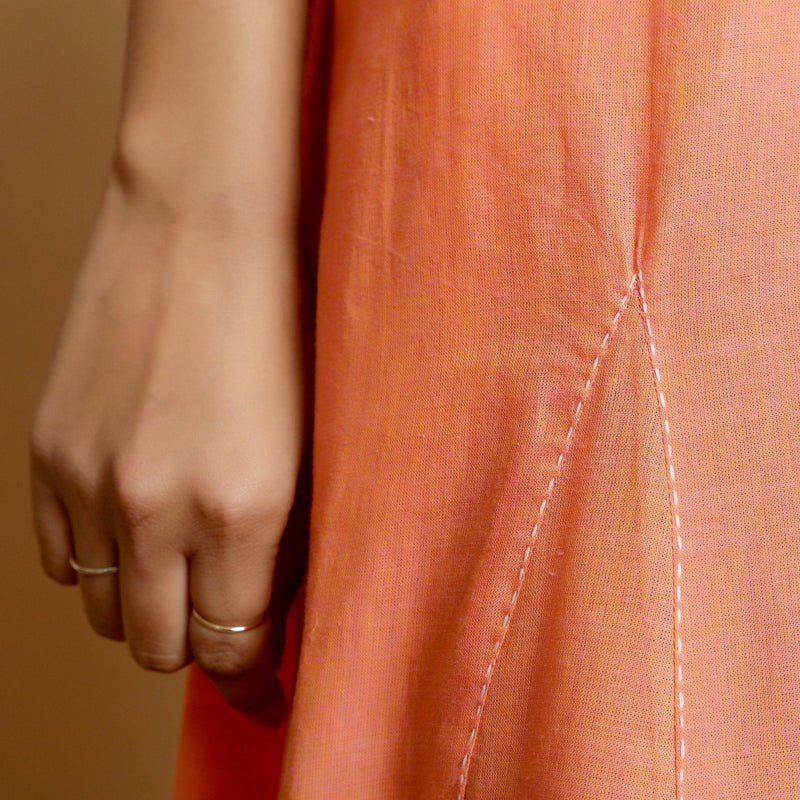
466	761
677	548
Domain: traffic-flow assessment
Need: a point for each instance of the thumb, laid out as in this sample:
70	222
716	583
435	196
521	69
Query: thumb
291	560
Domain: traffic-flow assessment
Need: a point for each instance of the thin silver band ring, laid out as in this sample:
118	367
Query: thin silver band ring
81	570
214	626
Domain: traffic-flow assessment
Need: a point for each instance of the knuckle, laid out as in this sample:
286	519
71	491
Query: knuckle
40	444
138	493
241	507
79	474
70	464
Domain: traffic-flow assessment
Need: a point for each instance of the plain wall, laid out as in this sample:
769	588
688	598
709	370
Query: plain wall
77	718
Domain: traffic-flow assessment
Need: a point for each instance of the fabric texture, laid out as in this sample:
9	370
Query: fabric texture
554	543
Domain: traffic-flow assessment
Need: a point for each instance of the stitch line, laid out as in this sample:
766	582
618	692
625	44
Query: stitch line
466	761
677	552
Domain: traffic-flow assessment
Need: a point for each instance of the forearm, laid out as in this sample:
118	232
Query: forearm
211	104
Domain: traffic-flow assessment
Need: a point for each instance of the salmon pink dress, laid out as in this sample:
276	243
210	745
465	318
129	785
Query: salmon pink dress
555	526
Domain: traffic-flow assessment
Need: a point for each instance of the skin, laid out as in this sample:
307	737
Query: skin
170	430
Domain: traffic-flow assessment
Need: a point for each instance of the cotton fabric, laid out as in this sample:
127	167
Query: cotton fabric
556	470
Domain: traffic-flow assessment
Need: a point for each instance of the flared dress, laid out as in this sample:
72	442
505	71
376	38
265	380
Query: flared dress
555	520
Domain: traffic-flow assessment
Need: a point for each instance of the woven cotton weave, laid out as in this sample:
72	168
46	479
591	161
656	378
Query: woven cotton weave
555	534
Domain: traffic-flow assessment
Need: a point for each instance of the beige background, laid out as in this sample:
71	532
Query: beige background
77	718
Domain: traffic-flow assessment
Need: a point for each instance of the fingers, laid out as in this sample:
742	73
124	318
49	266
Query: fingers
173	555
231	585
91	542
69	521
241	667
51	523
155	605
150	523
95	547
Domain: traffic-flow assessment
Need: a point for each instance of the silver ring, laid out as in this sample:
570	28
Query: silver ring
207	623
81	570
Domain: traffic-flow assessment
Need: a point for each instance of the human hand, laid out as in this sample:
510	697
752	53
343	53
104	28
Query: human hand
169	437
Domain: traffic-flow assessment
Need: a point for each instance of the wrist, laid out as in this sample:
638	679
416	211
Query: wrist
194	177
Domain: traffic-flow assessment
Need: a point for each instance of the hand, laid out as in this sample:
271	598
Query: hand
169	436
